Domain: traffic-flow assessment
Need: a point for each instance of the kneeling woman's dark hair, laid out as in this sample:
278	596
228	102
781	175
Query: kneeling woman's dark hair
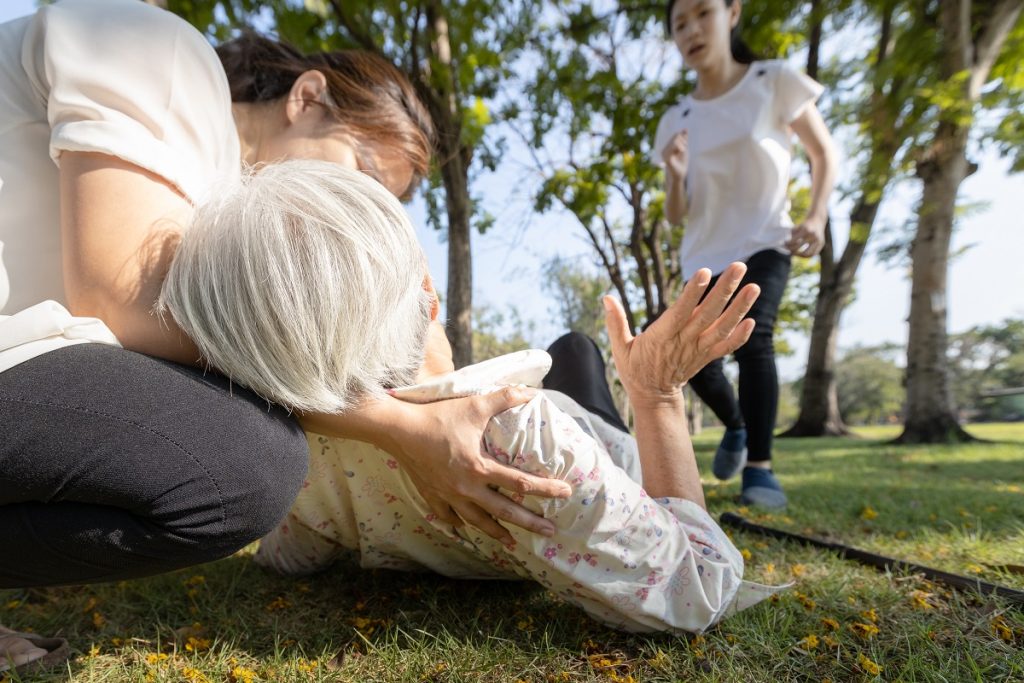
369	96
741	52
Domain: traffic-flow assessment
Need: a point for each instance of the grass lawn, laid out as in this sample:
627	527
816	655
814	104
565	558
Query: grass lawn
958	508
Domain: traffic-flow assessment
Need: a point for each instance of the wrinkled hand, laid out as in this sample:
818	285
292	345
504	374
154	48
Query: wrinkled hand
807	239
690	334
443	457
677	154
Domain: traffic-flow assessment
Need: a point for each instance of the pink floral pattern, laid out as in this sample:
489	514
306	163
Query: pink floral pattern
630	561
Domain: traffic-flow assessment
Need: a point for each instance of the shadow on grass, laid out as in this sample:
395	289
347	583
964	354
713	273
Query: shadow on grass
234	603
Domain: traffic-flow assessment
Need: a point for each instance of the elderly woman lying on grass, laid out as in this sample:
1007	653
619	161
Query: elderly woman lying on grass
360	316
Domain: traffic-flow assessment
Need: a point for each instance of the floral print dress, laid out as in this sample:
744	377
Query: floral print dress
630	561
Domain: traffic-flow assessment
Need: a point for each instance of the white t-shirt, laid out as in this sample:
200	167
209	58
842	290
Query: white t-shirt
117	77
739	163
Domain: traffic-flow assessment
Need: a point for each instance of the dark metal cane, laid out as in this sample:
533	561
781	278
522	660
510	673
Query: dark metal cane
879	561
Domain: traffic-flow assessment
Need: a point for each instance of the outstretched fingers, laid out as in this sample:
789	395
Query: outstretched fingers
715	302
723	327
681	311
735	339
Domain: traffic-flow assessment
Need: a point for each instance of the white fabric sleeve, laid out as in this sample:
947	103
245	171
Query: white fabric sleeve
635	563
136	82
294	548
794	90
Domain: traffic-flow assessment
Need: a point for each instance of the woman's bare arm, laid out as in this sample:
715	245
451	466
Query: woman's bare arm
808	238
677	158
120	225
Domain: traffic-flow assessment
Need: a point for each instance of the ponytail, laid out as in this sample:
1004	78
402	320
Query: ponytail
741	52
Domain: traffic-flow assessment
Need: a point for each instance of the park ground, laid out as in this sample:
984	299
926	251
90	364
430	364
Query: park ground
957	508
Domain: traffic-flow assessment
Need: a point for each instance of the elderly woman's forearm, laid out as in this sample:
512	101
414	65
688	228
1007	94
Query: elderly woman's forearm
666	453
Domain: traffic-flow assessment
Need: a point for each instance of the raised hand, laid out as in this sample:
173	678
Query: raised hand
690	334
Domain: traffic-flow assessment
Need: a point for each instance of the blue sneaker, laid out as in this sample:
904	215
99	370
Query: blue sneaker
731	455
761	488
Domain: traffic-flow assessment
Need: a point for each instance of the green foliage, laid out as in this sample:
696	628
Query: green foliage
948	100
458	85
576	292
986	357
1005	96
597	95
796	312
496	333
869	383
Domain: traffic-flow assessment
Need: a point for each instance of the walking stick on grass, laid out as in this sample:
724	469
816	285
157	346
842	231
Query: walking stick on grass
879	561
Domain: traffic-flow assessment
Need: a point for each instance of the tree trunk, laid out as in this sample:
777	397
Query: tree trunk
971	46
931	413
439	92
819	396
459	304
694	411
819	400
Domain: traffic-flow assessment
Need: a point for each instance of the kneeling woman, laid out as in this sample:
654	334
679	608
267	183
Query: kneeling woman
638	552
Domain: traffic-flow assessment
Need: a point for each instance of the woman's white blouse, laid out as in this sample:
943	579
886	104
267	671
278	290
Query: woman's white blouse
115	77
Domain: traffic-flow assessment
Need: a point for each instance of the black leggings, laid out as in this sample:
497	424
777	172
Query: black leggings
115	465
578	371
759	382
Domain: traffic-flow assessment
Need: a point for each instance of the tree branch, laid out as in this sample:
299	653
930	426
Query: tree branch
997	25
362	38
630	9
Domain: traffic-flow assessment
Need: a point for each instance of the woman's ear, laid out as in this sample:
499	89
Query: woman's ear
307	96
435	301
734	13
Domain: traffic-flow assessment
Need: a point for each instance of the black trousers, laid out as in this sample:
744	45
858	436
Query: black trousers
115	465
578	371
758	402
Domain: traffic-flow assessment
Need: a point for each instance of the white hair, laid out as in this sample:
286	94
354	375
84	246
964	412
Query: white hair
304	282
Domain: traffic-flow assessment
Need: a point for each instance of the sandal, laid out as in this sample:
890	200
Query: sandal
57	652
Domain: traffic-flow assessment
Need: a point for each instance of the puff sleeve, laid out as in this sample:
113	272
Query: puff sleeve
123	78
794	90
635	563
